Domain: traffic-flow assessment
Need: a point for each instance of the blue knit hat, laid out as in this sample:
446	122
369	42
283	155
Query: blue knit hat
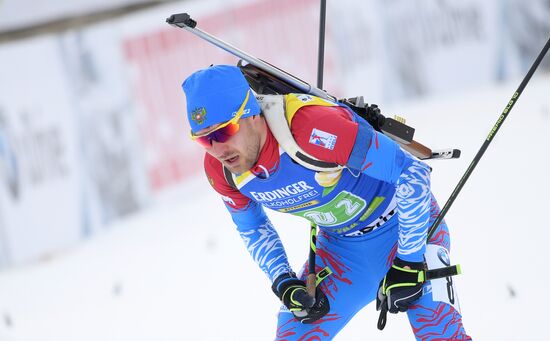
215	94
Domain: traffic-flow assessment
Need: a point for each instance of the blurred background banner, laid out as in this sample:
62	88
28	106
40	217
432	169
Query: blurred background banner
40	193
18	14
109	146
160	57
436	47
92	124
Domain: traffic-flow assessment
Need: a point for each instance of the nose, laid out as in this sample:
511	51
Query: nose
217	148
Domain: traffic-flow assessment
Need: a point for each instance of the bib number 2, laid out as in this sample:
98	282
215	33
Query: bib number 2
343	208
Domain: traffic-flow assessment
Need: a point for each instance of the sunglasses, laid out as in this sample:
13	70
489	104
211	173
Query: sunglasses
224	131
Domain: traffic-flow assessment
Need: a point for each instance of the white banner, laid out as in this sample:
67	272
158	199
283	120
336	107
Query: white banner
39	194
436	47
113	171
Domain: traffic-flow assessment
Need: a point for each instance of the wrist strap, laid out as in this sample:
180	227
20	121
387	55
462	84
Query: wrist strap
447	271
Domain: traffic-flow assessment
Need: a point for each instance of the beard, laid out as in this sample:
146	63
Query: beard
246	158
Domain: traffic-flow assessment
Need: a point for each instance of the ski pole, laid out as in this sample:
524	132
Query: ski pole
384	307
321	56
311	282
488	140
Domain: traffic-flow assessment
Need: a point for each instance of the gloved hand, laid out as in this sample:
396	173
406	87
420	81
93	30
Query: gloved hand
401	286
293	293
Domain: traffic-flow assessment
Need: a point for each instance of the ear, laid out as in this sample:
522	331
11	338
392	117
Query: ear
258	122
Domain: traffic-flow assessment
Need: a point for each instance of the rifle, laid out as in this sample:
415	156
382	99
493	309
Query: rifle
267	79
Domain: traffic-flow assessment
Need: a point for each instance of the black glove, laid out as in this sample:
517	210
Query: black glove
293	293
400	287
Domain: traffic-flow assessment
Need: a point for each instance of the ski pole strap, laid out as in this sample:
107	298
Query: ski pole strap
420	276
311	276
322	275
313	238
447	271
383	317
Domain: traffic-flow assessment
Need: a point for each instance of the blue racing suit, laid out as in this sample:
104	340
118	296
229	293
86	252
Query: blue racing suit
377	207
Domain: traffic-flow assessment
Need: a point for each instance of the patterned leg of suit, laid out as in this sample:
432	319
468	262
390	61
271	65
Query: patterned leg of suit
358	264
436	315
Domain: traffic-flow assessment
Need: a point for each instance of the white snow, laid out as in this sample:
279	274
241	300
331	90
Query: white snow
179	271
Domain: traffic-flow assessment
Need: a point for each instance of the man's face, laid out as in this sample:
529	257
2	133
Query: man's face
241	151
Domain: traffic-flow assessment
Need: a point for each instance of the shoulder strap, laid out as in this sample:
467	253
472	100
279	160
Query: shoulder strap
229	177
273	108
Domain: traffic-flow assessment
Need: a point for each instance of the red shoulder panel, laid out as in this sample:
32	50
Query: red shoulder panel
327	133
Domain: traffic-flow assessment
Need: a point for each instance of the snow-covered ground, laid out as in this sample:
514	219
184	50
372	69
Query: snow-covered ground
179	271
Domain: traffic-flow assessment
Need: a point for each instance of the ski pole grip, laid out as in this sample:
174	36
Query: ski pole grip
181	20
310	284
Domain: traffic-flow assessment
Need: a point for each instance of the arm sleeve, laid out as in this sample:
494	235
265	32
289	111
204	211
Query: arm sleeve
262	241
258	234
362	149
386	161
